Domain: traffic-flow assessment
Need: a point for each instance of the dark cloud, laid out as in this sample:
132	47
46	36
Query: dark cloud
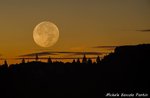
106	47
88	53
145	30
60	52
38	53
81	53
55	58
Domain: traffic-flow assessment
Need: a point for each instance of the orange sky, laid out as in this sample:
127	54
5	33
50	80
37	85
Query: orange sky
83	24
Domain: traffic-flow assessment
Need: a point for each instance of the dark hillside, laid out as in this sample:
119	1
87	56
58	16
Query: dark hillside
125	70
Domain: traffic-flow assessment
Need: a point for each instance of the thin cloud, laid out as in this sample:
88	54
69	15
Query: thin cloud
106	47
145	30
38	53
81	53
60	52
56	58
88	53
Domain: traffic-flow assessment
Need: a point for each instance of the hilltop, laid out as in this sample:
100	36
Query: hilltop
125	70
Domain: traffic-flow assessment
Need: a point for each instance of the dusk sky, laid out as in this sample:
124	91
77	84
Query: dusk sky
82	24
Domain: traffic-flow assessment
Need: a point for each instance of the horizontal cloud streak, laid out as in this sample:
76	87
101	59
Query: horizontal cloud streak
61	52
145	30
106	47
88	53
38	53
57	58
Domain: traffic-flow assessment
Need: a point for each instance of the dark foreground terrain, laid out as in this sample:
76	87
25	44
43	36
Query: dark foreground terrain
126	70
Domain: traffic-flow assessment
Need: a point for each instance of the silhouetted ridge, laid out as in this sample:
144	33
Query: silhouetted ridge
126	70
129	55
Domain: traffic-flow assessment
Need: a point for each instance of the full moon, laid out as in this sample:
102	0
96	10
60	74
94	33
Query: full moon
46	34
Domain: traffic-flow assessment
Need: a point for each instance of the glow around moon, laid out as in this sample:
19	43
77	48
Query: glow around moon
46	34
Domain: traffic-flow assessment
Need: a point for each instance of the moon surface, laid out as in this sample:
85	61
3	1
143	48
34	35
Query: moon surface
46	34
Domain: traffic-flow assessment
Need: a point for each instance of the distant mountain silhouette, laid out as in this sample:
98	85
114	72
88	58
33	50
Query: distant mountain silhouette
129	57
126	70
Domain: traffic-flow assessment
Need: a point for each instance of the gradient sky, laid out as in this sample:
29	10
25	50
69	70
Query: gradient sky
83	24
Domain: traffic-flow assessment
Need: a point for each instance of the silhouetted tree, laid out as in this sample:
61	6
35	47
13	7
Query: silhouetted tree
5	65
84	60
78	61
73	61
23	61
98	60
36	58
5	62
89	61
49	60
